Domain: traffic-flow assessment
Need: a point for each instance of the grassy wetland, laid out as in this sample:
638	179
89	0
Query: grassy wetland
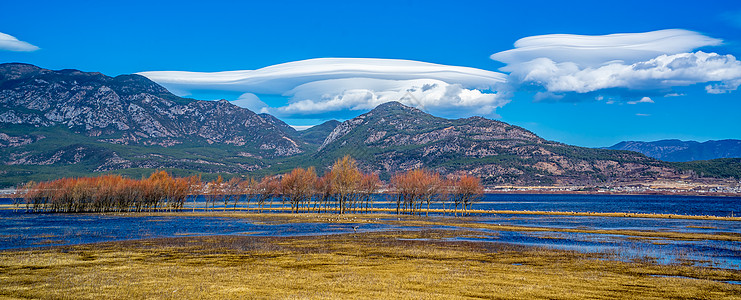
413	259
304	236
398	264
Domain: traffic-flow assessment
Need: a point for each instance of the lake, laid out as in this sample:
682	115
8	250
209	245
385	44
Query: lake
23	230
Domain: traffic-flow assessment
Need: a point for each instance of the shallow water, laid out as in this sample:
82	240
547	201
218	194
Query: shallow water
656	204
22	230
659	204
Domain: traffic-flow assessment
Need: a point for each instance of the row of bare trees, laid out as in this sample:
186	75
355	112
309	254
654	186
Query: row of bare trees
109	193
419	187
342	189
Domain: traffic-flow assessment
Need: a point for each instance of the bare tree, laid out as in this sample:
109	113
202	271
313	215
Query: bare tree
267	189
466	191
345	178
415	188
246	189
298	187
369	184
324	191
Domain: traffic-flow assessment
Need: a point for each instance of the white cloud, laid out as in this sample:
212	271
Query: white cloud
301	127
325	85
250	101
586	50
643	115
10	43
664	71
560	64
431	95
724	87
643	100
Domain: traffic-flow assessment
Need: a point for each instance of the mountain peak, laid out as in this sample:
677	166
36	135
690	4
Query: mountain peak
393	116
6	66
390	104
394	107
132	83
12	71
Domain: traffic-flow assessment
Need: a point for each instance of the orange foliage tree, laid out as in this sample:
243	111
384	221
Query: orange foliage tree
267	189
345	180
297	187
160	191
465	191
417	187
343	188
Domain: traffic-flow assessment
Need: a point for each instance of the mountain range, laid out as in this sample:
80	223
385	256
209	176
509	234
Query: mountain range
683	151
73	123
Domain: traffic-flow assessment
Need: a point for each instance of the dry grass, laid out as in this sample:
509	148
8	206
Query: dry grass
370	265
688	236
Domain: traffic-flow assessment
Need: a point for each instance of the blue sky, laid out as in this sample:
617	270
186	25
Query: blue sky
137	36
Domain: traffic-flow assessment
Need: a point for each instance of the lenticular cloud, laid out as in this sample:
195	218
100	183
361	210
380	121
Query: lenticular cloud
11	43
435	96
324	85
626	66
664	71
586	50
562	64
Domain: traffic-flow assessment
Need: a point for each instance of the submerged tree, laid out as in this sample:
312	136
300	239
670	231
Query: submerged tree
160	191
231	192
343	188
214	191
324	191
298	187
246	189
465	191
415	188
195	187
369	184
345	180
267	189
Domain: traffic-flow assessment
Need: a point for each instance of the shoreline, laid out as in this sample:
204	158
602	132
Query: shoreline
371	211
611	193
558	190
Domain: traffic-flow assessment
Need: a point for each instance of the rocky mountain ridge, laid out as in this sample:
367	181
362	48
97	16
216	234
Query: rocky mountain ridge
394	137
131	110
683	151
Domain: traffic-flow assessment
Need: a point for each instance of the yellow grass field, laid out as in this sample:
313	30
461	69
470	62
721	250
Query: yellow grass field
388	265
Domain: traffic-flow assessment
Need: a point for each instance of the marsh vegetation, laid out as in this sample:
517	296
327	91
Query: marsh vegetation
319	241
401	264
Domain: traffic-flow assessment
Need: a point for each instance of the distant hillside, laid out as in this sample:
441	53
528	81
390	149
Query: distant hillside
719	168
394	137
316	134
679	151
